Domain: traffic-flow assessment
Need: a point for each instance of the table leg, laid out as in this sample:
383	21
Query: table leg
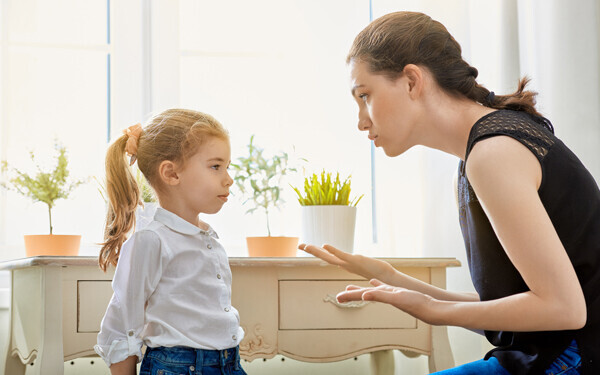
50	356
382	362
36	323
13	365
441	354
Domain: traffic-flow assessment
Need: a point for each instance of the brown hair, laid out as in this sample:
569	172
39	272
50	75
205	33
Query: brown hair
175	135
391	42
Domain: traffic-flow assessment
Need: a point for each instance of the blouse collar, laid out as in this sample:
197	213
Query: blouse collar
177	224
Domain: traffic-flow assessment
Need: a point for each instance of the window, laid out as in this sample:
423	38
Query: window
275	69
54	87
82	72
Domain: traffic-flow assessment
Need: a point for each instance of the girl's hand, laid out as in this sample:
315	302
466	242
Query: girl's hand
369	268
412	302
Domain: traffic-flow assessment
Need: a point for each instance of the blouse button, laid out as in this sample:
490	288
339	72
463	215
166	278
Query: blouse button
218	276
130	333
234	337
227	309
209	246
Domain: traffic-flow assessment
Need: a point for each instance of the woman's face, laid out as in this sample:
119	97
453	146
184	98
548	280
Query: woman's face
385	108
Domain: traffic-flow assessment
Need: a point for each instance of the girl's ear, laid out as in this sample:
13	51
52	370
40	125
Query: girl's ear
168	173
414	74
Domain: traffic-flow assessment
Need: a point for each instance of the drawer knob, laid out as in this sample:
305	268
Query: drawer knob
346	305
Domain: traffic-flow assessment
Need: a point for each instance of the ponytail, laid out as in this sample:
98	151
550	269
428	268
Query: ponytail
520	100
123	199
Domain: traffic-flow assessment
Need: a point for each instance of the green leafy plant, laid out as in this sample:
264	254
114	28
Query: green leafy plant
325	191
43	186
261	177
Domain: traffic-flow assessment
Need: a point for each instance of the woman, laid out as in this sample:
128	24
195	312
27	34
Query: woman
529	210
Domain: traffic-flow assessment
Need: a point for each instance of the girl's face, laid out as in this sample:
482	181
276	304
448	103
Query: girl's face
204	180
384	108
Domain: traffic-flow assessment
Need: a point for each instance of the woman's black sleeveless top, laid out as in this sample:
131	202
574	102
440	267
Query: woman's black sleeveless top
572	199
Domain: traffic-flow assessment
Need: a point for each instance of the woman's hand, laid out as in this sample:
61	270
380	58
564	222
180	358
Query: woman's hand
369	268
412	302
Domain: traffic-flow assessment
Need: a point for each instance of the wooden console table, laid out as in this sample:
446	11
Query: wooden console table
287	306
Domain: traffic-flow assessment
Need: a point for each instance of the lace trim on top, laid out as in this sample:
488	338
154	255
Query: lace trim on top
534	132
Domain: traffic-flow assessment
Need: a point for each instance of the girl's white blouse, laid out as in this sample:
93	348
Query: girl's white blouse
172	287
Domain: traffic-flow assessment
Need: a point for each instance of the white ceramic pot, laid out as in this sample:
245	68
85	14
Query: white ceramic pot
332	225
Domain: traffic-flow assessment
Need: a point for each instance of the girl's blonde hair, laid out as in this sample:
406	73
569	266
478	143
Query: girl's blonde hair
174	135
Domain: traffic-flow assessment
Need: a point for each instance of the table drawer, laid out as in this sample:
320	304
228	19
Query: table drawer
307	304
93	297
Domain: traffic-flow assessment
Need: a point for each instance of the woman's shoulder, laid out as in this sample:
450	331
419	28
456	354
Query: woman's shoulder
533	132
501	158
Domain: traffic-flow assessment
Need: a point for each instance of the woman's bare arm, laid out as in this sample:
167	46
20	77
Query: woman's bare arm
371	268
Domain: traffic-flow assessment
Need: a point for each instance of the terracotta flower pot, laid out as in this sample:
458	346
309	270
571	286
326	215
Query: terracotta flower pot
52	244
272	246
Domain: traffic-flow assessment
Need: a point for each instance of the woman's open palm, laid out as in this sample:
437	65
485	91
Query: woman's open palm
369	268
412	302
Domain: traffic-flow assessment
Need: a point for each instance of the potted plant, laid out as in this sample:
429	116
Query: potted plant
47	187
328	214
260	177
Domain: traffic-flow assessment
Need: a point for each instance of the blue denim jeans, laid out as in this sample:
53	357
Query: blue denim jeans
180	360
568	363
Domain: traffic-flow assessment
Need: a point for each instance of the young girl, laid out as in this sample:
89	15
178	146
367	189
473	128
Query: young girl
529	210
172	284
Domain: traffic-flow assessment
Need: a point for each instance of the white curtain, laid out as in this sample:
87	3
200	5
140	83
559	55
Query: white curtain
559	42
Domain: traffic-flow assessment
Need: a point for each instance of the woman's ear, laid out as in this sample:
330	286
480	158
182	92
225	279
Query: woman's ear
167	173
415	77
